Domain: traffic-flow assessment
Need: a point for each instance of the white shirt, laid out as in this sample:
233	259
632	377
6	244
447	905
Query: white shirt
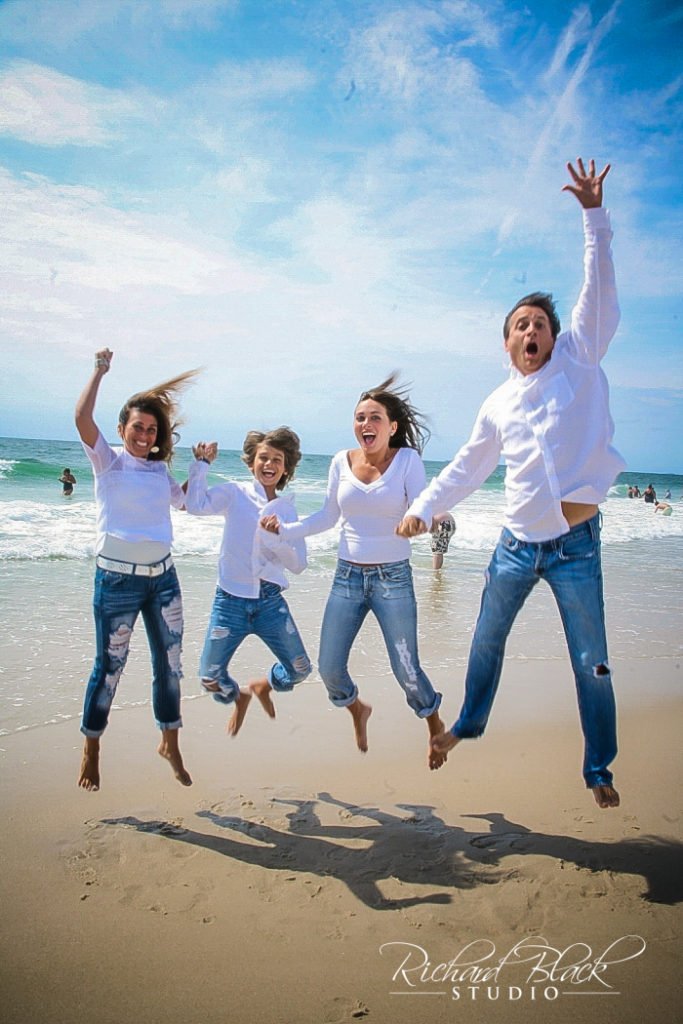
369	512
133	496
248	554
553	427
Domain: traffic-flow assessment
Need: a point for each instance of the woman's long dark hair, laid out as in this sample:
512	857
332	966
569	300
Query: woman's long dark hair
162	403
411	427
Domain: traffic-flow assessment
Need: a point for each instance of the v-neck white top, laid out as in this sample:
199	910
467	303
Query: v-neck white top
369	512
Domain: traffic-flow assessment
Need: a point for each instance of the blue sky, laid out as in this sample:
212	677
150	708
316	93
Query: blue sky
302	196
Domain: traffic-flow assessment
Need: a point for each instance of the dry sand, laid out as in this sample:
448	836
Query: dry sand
264	892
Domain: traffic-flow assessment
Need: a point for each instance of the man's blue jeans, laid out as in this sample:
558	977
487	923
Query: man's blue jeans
571	566
118	601
387	591
268	617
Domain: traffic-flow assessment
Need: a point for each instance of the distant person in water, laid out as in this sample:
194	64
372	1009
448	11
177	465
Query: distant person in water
251	570
134	492
551	423
664	507
649	495
443	528
636	491
67	479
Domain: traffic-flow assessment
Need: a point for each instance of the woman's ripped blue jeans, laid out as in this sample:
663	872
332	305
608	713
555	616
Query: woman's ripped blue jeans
118	601
386	591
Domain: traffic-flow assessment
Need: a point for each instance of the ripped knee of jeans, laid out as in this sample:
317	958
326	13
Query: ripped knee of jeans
601	670
302	667
173	615
119	642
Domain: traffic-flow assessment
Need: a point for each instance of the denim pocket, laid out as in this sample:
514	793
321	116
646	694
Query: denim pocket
579	545
509	542
396	572
342	572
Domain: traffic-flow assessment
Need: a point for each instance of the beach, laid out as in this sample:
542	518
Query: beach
298	880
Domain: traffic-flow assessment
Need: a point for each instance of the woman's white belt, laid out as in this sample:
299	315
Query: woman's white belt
132	569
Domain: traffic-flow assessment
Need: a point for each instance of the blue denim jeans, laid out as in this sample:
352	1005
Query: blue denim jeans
268	617
571	565
118	601
386	591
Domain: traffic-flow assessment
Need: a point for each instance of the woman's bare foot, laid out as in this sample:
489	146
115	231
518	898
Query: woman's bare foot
436	756
237	717
89	775
261	688
606	796
169	749
360	713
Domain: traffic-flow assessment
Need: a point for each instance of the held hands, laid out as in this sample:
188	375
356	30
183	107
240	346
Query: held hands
270	523
205	451
411	526
587	187
103	360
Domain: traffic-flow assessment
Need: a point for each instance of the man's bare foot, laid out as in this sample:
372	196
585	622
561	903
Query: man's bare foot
360	713
237	717
435	757
606	796
169	749
440	745
89	775
261	688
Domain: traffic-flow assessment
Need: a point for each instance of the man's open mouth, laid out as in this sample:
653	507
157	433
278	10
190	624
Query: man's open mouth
532	349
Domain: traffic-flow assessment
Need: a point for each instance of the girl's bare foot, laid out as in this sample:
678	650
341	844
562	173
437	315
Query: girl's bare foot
261	688
606	796
360	713
168	749
436	756
241	705
89	775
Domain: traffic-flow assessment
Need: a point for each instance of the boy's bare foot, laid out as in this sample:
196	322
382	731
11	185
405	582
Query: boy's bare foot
436	757
169	749
261	688
360	713
237	717
606	796
89	775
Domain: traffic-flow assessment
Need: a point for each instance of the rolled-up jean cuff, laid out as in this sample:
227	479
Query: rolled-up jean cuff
92	734
426	712
345	702
167	726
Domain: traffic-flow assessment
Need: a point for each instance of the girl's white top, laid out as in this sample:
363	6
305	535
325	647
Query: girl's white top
133	496
248	554
369	512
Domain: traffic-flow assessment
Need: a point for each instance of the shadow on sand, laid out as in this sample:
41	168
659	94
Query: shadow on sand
418	848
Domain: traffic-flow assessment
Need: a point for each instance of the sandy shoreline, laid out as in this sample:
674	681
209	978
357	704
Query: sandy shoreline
264	892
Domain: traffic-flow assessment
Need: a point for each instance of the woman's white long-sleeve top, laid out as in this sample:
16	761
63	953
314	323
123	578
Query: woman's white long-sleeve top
369	512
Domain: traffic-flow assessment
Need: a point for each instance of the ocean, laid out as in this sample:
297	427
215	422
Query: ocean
46	568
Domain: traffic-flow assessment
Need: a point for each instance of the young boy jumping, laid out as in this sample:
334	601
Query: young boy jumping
551	422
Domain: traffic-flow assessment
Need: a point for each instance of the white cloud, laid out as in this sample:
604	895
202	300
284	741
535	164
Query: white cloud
42	106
